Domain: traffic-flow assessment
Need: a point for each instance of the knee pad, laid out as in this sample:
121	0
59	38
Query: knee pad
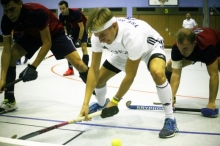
156	55
110	67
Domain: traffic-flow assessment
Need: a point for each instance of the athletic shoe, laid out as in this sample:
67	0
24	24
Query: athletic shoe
169	128
69	72
25	60
7	106
94	107
18	62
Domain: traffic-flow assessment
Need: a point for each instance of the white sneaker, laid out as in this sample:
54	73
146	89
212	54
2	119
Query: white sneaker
7	106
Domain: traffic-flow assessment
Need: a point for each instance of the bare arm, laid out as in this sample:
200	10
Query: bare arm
82	28
195	25
213	83
46	40
6	56
131	71
92	77
175	81
183	25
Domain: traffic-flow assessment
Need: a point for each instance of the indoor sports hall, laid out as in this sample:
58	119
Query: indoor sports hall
53	99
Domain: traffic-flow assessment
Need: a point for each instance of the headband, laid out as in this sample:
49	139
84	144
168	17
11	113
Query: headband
105	26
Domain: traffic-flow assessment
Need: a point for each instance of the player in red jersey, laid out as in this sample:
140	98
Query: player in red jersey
15	35
203	45
41	29
77	32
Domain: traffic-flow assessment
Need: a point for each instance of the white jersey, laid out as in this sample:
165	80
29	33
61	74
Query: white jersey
135	39
191	23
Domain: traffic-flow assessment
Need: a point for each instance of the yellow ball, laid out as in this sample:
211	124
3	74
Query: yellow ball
116	142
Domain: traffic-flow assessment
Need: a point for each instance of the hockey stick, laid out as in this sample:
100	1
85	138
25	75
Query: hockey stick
157	102
73	138
48	56
12	83
143	107
107	112
57	126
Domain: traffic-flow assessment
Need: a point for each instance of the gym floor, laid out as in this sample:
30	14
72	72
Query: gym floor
53	99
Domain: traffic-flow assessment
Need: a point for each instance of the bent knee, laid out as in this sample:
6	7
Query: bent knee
158	76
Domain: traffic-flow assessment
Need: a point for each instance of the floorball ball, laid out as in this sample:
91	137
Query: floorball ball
116	142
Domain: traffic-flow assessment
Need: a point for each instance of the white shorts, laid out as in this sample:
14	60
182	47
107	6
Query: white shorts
119	61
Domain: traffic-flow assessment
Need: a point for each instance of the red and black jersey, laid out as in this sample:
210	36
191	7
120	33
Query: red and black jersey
33	18
75	16
206	50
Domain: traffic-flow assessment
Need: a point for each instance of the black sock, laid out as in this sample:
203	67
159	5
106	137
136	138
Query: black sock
70	65
83	75
10	77
85	59
168	74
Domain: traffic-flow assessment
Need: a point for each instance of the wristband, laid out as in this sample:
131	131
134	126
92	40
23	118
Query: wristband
114	101
116	98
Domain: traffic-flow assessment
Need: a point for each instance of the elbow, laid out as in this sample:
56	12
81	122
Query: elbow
48	42
47	45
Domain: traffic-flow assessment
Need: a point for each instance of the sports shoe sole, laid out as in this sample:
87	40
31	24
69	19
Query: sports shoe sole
68	75
168	136
3	112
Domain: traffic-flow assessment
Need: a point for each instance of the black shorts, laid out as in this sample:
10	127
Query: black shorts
110	67
75	34
61	45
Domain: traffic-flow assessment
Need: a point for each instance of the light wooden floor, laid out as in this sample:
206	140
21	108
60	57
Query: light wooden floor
52	99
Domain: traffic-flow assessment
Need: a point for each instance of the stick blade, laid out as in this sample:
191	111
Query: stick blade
128	103
14	136
157	102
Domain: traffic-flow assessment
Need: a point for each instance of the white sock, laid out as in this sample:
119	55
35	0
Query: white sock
165	94
100	95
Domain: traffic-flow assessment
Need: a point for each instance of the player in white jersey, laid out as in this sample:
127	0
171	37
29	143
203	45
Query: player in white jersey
130	41
189	22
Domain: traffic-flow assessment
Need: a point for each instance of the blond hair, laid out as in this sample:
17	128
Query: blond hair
97	18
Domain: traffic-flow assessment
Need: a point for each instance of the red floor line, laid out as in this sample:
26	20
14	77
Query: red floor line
52	69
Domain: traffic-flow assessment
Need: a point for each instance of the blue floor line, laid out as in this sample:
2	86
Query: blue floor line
109	126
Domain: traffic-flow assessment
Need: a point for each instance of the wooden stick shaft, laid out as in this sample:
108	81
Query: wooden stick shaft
58	125
12	83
